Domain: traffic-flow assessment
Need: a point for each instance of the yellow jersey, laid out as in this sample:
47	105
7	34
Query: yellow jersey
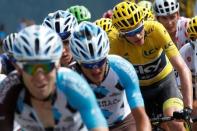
150	59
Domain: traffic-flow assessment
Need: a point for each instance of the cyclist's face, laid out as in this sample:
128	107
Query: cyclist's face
40	84
66	55
137	39
135	36
169	22
96	75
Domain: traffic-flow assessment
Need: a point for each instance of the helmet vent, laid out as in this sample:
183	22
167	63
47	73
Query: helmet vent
57	27
88	34
83	54
10	41
131	21
25	40
91	49
48	24
57	16
124	22
132	8
27	51
66	22
99	42
37	45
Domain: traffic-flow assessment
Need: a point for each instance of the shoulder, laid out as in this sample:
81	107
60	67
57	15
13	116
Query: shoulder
119	63
187	47
70	81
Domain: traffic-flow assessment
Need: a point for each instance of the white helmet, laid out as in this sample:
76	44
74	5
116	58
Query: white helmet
165	7
89	43
37	43
8	43
63	22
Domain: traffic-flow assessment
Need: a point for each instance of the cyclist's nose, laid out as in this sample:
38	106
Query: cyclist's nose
39	74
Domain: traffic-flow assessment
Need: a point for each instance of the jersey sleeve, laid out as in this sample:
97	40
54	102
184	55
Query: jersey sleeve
165	40
81	97
128	79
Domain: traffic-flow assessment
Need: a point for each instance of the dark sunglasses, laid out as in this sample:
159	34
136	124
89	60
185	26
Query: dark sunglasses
32	68
133	32
93	65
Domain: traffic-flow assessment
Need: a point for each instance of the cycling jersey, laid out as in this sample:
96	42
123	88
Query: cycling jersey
188	53
150	60
5	64
181	33
72	100
119	91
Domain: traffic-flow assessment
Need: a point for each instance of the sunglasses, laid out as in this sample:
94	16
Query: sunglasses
32	68
134	32
64	35
93	65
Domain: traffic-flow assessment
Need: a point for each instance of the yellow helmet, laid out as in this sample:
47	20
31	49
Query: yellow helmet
146	4
129	0
105	24
126	15
148	14
192	28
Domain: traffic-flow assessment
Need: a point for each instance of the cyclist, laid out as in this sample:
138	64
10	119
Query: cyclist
148	46
188	52
147	9
113	79
41	96
167	13
63	23
80	12
105	24
7	62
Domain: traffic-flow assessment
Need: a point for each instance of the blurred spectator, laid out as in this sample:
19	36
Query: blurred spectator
24	22
2	36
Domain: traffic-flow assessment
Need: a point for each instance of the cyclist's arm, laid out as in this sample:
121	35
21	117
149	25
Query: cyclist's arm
185	79
129	80
82	98
178	63
139	115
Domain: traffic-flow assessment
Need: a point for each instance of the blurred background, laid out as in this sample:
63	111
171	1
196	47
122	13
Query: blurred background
14	14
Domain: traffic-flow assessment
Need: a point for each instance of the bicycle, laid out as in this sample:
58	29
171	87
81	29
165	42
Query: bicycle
182	115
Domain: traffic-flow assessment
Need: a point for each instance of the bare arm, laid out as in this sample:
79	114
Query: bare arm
100	129
185	79
141	118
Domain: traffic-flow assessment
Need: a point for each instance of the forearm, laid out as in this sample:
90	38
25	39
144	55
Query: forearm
141	119
100	129
186	87
143	125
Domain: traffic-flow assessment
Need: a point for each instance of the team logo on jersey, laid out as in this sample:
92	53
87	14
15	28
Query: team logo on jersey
152	69
100	92
151	51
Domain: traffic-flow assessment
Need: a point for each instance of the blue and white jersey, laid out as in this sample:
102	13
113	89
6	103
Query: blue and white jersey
5	64
119	92
72	103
